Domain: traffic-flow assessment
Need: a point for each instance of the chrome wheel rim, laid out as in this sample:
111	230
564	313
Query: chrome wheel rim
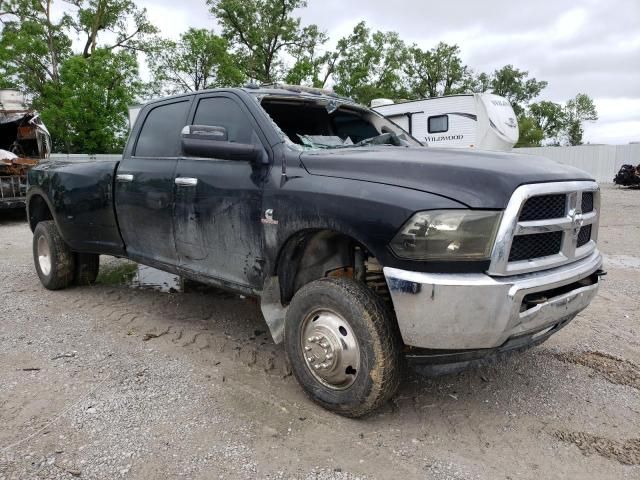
44	255
330	349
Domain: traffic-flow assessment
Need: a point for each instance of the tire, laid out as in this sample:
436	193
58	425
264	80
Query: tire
54	261
323	321
86	269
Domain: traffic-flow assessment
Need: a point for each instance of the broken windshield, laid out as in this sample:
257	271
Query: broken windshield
320	123
332	141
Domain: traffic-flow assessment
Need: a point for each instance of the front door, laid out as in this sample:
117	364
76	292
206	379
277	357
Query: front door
217	219
145	185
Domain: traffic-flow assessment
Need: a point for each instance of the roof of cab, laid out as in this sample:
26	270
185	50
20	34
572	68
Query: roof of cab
268	89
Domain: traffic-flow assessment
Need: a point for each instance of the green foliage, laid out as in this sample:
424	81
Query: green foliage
32	44
515	86
118	274
122	18
199	60
480	83
436	72
578	110
260	31
531	134
549	117
369	65
309	60
87	111
83	97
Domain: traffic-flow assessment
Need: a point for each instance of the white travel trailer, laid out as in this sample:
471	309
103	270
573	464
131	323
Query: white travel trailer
480	120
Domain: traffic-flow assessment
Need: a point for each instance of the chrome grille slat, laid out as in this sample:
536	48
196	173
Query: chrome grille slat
567	225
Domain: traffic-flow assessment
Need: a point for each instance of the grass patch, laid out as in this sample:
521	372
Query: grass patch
117	274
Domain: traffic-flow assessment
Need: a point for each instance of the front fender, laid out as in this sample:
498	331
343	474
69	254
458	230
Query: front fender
370	213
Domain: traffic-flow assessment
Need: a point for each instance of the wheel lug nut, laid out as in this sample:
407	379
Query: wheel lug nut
329	356
316	366
307	348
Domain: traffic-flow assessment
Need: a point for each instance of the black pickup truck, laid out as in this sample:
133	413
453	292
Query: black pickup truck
364	248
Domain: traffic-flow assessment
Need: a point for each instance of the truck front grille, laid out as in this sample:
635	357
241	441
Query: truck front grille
546	225
535	245
544	206
584	236
587	202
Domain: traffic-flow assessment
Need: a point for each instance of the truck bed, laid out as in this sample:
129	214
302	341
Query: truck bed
80	195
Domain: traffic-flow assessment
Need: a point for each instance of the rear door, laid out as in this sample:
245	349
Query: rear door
217	219
145	184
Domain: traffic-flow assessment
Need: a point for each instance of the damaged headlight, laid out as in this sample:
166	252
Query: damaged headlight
448	235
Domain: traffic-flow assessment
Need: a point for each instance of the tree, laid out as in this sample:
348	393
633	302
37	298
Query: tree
82	96
436	72
199	60
260	32
368	65
515	86
550	118
122	18
312	66
479	83
32	44
95	94
578	110
531	134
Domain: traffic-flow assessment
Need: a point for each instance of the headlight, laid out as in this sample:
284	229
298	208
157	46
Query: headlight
447	235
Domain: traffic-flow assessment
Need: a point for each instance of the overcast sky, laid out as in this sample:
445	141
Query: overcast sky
587	46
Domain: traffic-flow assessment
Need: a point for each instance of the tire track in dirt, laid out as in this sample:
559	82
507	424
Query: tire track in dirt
182	320
613	369
626	452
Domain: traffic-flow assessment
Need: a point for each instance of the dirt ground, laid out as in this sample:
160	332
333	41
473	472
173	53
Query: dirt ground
112	382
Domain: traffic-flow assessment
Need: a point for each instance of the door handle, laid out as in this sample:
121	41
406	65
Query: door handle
186	181
124	177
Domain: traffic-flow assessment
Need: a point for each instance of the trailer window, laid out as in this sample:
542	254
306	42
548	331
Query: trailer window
438	123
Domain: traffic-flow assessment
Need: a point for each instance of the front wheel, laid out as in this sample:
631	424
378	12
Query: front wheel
54	261
343	346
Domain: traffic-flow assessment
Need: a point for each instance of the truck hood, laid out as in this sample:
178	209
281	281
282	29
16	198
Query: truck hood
474	178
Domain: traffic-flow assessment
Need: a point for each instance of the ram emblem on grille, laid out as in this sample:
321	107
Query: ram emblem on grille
577	221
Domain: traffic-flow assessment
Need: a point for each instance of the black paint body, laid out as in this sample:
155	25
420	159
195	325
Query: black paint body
218	231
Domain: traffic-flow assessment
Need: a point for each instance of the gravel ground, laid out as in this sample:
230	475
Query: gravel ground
113	382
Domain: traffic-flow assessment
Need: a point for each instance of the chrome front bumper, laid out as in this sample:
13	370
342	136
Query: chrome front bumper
475	311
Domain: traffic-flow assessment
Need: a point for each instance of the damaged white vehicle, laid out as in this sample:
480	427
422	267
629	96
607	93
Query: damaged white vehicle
24	142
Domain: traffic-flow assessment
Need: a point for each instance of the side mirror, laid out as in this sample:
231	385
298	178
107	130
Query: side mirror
212	142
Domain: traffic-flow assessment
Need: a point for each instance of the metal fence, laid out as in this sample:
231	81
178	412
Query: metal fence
602	162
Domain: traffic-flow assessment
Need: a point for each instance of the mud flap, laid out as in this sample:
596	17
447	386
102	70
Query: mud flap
272	310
